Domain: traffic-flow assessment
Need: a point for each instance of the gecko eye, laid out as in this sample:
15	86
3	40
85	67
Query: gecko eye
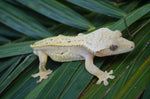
113	47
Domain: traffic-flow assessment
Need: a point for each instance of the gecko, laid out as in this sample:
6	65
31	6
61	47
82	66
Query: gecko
99	43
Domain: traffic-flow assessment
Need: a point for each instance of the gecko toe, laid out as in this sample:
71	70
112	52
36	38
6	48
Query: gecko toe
99	81
106	82
110	72
35	75
111	77
43	75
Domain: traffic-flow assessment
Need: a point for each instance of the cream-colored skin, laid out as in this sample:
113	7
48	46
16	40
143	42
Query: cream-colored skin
102	42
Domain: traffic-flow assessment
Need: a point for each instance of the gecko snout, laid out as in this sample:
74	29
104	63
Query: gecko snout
132	45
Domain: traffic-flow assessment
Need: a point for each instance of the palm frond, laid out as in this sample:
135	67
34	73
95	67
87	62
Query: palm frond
22	22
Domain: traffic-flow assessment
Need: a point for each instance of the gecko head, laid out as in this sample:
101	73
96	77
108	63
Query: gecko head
113	44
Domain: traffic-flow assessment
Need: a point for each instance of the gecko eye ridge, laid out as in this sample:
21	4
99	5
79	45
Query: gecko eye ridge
113	47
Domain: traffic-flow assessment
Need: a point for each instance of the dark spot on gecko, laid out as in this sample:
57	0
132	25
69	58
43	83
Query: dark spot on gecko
113	47
62	53
69	41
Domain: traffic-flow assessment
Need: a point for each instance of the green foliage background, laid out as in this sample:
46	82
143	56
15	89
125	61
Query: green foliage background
23	22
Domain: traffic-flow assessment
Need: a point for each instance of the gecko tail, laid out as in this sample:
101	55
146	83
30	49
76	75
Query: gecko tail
31	46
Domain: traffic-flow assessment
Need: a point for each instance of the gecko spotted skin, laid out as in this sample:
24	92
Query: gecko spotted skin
100	43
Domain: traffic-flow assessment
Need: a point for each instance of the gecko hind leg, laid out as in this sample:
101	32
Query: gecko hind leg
42	70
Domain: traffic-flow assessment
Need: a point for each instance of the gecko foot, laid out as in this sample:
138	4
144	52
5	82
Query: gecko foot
43	75
104	76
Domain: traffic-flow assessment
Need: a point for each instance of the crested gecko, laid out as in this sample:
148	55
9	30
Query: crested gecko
100	43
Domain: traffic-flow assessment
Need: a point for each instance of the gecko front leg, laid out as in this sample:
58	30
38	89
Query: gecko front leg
102	76
42	70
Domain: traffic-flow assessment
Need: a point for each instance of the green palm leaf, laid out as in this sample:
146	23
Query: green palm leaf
15	49
100	6
53	9
19	21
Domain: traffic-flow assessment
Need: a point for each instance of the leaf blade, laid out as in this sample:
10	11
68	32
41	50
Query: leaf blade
21	22
58	12
100	6
17	71
131	18
15	49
